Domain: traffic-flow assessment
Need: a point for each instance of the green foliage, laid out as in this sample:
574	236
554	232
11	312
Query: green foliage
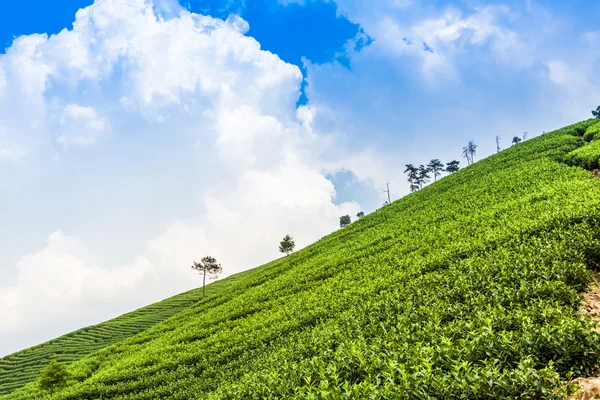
436	166
452	166
54	377
413	177
465	289
345	221
516	140
208	265
469	151
23	367
287	245
360	215
587	157
423	176
592	132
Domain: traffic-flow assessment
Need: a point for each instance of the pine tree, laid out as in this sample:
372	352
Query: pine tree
207	266
452	166
436	167
424	176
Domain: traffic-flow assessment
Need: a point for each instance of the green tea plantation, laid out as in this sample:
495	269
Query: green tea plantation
469	288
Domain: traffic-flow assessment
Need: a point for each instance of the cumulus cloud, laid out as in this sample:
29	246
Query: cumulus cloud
441	42
169	85
80	126
59	286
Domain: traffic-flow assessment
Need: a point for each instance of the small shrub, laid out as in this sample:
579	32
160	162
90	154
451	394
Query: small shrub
587	157
592	133
54	377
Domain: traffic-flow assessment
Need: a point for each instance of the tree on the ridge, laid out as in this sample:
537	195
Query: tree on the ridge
387	191
465	154
469	152
452	166
413	176
516	140
596	112
360	215
498	144
54	377
287	245
345	221
525	134
423	177
436	167
207	266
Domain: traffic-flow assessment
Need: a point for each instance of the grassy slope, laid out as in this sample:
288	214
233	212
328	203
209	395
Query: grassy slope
22	367
467	288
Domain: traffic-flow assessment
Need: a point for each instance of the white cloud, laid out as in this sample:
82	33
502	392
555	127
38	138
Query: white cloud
442	42
163	86
81	126
58	283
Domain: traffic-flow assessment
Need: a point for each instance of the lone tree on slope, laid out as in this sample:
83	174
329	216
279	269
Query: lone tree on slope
360	215
452	166
287	245
596	112
54	377
498	144
207	266
516	140
436	166
345	221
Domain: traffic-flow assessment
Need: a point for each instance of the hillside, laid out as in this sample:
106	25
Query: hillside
22	367
467	288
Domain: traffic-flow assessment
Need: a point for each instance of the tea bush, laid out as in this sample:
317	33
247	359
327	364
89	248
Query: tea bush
592	132
587	157
468	288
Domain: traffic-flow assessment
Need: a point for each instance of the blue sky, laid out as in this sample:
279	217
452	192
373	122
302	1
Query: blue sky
149	133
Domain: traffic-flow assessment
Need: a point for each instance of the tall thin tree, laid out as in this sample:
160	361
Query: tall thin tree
207	266
413	176
387	191
498	144
466	155
424	176
436	167
472	148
